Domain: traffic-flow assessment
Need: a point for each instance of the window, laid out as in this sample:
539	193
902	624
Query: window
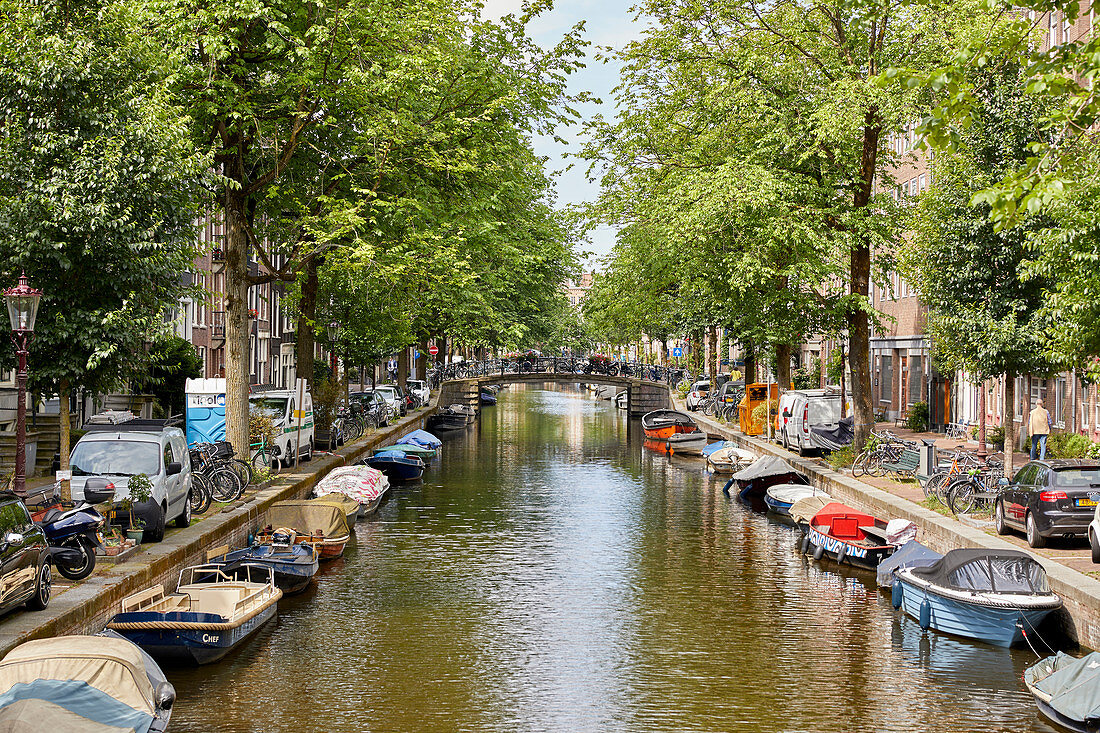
1020	386
13	517
1058	413
168	456
115	458
922	182
1085	414
886	379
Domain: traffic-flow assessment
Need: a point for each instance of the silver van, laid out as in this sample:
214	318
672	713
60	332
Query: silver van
804	410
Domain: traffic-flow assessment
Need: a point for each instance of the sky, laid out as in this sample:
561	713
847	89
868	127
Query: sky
607	23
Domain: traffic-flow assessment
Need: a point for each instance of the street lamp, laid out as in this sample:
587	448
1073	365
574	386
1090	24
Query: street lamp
22	303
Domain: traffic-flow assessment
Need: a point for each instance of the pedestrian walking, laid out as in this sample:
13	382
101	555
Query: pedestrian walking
1038	427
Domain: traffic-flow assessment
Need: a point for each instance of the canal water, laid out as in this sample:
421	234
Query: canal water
552	575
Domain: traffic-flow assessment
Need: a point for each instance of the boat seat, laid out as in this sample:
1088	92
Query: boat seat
846	528
221	601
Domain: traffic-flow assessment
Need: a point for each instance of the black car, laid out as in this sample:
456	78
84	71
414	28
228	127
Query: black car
1050	498
25	572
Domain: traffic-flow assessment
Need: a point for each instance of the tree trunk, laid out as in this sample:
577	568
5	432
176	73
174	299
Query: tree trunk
1010	422
305	340
715	357
402	365
66	426
859	279
236	324
750	363
708	361
783	366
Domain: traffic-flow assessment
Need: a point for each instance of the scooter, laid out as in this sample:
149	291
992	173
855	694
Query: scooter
74	534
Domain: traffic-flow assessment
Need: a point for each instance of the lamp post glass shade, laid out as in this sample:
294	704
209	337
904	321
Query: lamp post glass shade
22	303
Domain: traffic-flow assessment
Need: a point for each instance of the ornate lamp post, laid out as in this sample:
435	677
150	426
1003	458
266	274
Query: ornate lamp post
22	303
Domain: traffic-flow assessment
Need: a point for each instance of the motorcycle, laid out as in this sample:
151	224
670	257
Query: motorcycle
74	534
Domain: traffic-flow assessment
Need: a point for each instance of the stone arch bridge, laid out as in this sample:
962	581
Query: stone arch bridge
643	395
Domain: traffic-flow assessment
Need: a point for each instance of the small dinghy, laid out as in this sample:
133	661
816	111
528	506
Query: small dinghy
410	449
766	471
781	497
211	612
994	596
422	437
622	400
663	424
322	526
717	445
1067	690
728	459
687	444
92	684
487	398
445	422
294	564
842	534
366	485
398	466
468	413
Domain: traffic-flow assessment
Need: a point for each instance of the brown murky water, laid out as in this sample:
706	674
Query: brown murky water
550	575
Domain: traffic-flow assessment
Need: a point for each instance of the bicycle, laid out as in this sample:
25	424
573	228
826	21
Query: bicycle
262	456
937	484
200	496
210	461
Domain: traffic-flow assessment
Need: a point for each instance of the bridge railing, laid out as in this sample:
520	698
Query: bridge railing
554	365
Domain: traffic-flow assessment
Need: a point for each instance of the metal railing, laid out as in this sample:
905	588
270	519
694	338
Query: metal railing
557	366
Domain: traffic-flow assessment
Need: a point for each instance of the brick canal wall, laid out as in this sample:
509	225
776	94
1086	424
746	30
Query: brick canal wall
1080	615
86	607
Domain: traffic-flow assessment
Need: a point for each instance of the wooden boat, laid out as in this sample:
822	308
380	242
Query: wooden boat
687	444
727	459
294	565
211	612
845	535
995	596
365	485
663	424
410	449
781	497
398	466
753	481
75	683
1067	690
322	526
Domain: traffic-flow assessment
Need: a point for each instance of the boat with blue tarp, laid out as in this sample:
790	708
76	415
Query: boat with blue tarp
422	437
1067	690
294	564
424	453
397	465
995	596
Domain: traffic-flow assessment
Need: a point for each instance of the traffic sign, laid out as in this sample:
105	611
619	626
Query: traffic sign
677	352
433	349
416	353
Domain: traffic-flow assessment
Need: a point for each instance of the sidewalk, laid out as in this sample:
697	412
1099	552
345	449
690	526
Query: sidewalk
948	444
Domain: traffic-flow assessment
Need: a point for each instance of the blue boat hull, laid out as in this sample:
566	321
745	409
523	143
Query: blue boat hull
397	469
996	626
293	571
777	506
186	646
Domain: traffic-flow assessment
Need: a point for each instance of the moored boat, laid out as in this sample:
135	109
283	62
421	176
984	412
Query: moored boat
410	449
1067	690
781	497
843	534
727	459
994	596
350	507
468	413
622	400
397	465
294	565
753	481
487	398
663	424
421	437
445	422
366	485
211	612
687	444
93	684
322	526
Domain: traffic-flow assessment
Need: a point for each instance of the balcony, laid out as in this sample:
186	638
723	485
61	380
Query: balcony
217	324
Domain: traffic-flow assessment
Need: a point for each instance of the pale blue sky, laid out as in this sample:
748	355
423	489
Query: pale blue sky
606	24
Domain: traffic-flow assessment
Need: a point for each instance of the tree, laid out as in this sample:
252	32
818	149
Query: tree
172	361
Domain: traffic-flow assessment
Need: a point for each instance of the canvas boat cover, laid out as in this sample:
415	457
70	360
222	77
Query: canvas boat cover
766	467
1071	686
806	509
422	437
410	448
834	436
346	504
362	483
94	678
391	453
910	555
790	493
711	448
979	569
34	715
306	517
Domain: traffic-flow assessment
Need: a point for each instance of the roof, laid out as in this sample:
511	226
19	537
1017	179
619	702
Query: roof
117	432
1056	464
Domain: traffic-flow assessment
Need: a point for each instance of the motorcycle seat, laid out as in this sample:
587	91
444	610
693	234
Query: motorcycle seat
52	515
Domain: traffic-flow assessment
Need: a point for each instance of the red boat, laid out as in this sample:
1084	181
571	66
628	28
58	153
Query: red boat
841	533
663	424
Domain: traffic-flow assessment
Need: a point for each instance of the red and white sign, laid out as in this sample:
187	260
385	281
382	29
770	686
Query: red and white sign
433	349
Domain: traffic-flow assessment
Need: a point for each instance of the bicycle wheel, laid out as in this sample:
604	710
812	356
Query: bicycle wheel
859	465
874	463
243	469
200	494
260	459
931	486
960	496
225	484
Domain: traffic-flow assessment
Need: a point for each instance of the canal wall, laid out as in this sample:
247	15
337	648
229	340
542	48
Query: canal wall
1079	618
85	607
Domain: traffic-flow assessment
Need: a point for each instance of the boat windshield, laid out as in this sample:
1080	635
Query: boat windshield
115	458
272	406
1001	575
1077	478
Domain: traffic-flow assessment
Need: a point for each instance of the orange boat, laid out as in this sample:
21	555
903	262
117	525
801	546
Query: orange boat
663	424
320	525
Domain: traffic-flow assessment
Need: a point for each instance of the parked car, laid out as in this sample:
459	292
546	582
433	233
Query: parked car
152	447
800	410
419	388
25	569
731	392
697	393
394	397
378	411
1050	498
292	428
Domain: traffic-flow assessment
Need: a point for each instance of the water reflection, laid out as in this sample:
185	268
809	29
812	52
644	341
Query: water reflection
551	575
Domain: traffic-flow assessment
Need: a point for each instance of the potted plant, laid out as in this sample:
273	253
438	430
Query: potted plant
140	490
996	436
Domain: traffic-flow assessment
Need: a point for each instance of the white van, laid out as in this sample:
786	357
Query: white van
785	410
281	405
804	410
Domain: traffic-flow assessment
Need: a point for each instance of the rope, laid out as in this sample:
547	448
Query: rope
192	625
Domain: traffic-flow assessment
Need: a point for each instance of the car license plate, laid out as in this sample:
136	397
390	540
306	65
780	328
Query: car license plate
1086	502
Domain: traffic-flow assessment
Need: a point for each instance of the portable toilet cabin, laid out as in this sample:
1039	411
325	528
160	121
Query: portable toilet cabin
205	410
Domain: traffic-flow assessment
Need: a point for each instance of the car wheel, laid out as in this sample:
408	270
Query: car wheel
1034	539
999	523
308	452
184	519
1094	545
43	589
156	532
